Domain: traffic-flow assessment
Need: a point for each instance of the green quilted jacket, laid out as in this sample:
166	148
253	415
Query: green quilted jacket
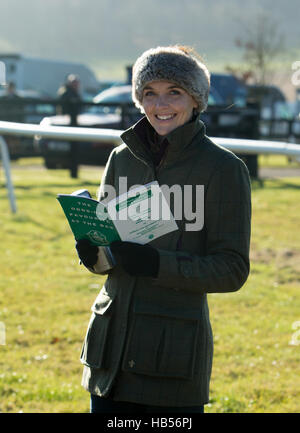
149	340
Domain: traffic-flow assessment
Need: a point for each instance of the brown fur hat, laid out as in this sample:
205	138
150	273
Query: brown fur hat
177	64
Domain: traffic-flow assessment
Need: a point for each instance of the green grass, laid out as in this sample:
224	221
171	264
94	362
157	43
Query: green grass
278	161
45	300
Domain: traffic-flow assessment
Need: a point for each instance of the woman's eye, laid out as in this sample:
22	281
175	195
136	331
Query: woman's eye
175	92
148	93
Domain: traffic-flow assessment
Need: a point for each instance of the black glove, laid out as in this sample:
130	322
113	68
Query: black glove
87	252
136	259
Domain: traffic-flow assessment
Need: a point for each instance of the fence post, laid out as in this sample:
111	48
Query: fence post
6	165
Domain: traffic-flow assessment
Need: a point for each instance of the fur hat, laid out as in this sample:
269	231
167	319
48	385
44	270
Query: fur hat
177	64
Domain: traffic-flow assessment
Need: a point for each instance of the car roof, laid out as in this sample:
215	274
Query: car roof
114	93
227	85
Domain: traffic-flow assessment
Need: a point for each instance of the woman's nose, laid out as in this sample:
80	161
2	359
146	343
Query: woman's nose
162	101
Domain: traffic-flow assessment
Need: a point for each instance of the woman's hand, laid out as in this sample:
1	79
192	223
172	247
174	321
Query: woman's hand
137	260
87	252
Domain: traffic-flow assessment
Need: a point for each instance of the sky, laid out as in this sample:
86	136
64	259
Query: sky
109	34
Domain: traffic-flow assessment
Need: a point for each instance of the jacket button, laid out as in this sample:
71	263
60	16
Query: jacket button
186	270
131	363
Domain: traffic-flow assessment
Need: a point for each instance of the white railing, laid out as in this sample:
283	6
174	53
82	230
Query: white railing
6	165
236	145
54	132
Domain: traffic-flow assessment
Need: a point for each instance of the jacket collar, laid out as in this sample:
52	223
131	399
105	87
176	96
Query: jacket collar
137	136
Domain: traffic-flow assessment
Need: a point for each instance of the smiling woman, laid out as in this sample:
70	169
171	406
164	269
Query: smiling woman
149	344
167	106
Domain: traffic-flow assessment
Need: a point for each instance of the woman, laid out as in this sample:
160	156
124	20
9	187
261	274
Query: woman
149	343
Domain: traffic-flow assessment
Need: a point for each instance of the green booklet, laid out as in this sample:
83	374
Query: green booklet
81	212
133	216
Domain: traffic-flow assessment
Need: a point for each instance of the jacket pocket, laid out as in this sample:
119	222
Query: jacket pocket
95	342
162	343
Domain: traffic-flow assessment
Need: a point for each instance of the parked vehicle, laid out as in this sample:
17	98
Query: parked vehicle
45	76
272	102
276	114
112	108
57	153
231	89
24	106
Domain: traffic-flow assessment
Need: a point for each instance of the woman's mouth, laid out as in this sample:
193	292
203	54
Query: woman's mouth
165	117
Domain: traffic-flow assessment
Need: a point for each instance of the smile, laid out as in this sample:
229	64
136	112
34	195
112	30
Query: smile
165	116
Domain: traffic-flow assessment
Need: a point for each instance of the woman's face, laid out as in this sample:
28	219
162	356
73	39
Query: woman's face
167	106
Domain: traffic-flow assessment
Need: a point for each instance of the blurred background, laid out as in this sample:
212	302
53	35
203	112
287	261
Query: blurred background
68	62
107	35
250	50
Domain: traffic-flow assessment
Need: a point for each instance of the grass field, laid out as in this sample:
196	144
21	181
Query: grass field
45	300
